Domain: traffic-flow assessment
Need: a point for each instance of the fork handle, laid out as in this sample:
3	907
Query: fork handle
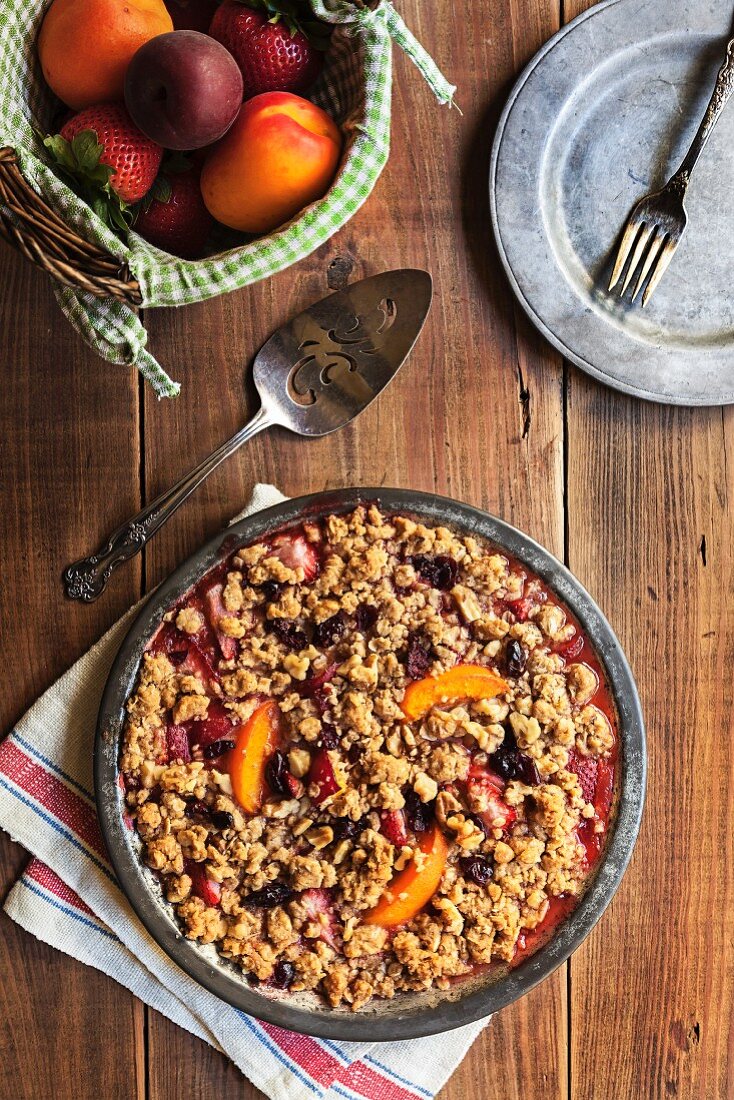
87	578
719	98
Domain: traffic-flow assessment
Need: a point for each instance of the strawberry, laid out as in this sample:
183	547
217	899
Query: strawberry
276	49
202	887
178	743
585	768
215	611
521	608
109	160
173	215
183	652
217	726
318	908
323	776
313	685
392	825
571	649
294	552
488	790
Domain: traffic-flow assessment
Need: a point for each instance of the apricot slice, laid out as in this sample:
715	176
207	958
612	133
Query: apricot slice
453	686
414	887
257	740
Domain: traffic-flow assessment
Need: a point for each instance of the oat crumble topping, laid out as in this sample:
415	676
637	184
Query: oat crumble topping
369	756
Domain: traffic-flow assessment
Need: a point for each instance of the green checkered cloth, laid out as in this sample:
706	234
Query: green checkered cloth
355	88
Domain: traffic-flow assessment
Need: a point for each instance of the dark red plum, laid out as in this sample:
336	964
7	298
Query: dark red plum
183	89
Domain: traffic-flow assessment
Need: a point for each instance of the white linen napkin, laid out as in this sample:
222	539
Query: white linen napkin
69	898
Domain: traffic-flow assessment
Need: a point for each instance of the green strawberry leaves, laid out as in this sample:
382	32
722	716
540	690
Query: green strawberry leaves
79	162
297	16
161	191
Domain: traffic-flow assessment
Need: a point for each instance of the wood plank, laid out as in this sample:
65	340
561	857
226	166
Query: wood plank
650	491
61	490
650	496
453	422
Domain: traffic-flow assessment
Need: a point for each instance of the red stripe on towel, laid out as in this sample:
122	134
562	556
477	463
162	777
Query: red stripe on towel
306	1053
366	1081
53	795
327	1070
44	876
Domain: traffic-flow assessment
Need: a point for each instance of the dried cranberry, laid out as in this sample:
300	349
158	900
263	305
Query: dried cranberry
366	617
196	807
223	819
479	822
440	571
283	974
419	814
218	748
515	657
131	782
275	893
288	633
329	736
509	763
330	631
271	590
276	773
477	869
346	829
418	658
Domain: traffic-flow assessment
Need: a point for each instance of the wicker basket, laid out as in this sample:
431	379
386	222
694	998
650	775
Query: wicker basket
41	234
100	278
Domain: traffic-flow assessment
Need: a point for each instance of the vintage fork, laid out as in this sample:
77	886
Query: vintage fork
656	225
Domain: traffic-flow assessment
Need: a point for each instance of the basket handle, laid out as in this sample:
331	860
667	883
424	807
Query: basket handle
364	16
44	238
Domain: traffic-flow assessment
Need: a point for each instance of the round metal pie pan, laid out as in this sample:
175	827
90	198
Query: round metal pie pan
409	1015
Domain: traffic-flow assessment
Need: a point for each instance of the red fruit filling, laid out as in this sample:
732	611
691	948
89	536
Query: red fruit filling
295	553
202	887
322	776
392	825
320	909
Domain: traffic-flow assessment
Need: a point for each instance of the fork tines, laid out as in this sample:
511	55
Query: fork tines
650	238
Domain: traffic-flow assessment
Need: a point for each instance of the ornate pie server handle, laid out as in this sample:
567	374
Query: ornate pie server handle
719	98
87	578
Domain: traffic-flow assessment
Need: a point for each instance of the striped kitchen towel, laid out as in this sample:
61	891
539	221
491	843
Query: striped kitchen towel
69	898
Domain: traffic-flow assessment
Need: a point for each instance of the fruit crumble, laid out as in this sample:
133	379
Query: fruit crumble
367	756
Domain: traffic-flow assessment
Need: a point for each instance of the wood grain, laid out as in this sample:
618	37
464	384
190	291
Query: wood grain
649	516
478	413
59	489
477	363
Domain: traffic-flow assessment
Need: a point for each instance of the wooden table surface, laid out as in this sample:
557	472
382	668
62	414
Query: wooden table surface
634	497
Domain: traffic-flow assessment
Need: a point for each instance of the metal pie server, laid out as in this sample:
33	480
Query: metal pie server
314	375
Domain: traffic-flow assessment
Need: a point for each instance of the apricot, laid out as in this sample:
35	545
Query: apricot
280	154
256	741
414	887
453	686
85	46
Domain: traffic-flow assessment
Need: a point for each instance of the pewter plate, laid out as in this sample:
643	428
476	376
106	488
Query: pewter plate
408	1015
602	115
